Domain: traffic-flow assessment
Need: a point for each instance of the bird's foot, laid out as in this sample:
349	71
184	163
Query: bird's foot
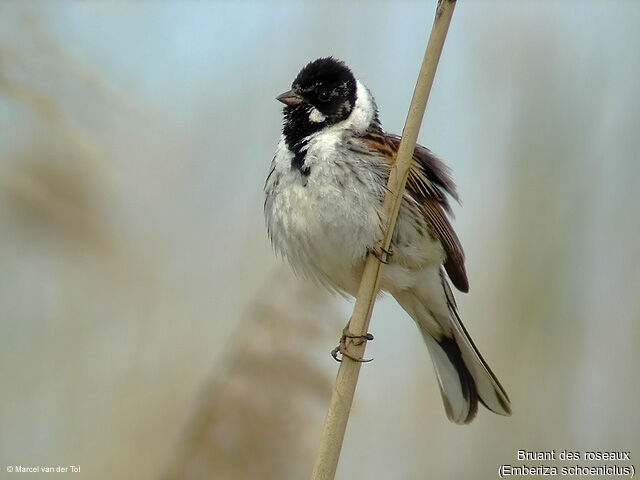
381	253
342	350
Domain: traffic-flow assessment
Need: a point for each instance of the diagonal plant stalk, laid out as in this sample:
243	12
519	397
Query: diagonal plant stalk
345	384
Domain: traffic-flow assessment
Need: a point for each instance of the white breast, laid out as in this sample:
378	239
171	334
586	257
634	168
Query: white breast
324	223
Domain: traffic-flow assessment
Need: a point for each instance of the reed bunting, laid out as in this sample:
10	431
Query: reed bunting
323	210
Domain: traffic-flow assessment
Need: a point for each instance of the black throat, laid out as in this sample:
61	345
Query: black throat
296	130
324	93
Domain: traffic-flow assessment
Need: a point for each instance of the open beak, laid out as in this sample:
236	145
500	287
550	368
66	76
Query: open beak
290	98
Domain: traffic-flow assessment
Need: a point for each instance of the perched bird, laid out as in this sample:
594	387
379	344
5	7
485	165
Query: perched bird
323	209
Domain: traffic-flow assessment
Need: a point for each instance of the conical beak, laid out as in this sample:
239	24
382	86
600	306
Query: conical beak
289	98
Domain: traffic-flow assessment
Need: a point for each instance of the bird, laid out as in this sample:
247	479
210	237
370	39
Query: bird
323	212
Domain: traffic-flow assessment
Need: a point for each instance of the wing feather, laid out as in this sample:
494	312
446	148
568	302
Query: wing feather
430	185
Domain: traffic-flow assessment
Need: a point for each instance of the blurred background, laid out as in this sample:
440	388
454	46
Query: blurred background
147	329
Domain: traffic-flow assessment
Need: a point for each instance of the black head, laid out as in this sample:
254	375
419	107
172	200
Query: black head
326	85
323	94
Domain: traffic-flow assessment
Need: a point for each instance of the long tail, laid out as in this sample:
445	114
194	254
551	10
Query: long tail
463	375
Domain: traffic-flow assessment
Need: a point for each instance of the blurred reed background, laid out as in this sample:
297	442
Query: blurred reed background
146	329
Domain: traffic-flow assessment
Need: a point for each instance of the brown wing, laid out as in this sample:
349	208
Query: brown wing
429	184
454	264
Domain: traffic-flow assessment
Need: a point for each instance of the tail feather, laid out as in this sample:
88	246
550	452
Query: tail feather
491	393
463	375
457	387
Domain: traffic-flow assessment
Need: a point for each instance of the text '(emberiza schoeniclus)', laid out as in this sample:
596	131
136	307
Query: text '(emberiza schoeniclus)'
323	211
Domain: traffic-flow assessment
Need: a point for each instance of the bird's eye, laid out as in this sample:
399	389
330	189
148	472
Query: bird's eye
324	95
